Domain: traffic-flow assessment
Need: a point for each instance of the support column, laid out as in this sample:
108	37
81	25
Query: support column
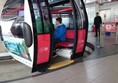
97	6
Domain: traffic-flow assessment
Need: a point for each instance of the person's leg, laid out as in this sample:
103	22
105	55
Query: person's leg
55	42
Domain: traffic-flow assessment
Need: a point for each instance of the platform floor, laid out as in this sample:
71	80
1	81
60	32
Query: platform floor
99	67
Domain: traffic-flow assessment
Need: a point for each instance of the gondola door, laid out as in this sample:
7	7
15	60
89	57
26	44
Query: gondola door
81	26
42	37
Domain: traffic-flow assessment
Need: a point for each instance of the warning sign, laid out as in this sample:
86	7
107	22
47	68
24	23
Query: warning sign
110	27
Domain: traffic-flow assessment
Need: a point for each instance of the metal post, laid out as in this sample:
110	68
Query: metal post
102	35
116	33
0	30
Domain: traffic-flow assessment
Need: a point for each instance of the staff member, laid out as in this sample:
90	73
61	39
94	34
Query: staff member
97	23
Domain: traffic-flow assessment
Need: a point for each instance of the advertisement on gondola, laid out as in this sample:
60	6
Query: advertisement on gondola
17	47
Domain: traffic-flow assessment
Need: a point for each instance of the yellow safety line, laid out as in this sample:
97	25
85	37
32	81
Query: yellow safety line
60	64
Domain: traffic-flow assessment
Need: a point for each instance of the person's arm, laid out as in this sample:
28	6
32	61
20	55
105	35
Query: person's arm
100	20
94	21
59	32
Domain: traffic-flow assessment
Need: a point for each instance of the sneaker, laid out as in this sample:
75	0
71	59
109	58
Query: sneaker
54	56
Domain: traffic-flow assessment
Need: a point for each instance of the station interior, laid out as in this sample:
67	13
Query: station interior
82	58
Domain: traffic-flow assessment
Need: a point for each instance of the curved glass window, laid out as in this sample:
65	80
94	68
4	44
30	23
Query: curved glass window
80	14
13	9
41	17
12	14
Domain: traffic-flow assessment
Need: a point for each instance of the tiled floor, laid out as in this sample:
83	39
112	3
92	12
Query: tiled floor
102	70
100	67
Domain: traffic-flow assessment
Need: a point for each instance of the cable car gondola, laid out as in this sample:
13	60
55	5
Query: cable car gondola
27	32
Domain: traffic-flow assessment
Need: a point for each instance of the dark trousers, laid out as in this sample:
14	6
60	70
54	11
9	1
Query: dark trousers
55	41
97	31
